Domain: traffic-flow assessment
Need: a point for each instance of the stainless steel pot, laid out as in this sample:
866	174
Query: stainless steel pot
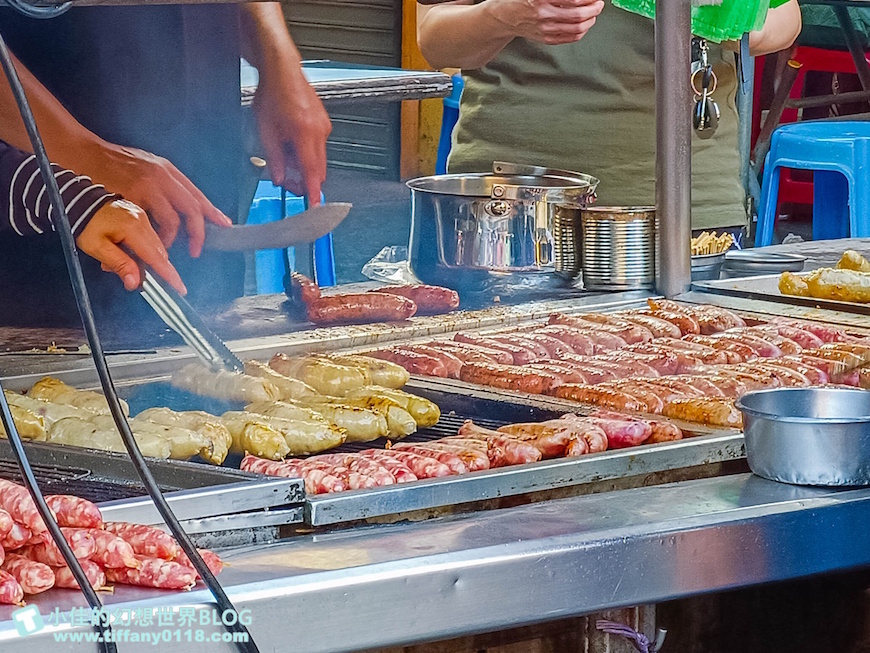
481	231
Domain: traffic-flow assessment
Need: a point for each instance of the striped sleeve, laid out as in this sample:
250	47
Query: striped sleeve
25	209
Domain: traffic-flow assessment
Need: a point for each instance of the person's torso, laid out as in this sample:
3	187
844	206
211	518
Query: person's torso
161	78
590	106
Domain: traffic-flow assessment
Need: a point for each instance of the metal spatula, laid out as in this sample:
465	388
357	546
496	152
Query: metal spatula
305	227
182	318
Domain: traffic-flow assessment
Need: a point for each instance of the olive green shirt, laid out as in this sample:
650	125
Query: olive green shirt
590	107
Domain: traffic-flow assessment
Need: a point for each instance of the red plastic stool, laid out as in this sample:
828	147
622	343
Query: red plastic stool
795	190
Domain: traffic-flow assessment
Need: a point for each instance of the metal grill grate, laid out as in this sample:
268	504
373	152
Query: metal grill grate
446	426
45	474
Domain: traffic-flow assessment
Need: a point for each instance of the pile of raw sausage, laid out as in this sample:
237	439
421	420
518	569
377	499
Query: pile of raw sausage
474	448
109	552
384	304
679	361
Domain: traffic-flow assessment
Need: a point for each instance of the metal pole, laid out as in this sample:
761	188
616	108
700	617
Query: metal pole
673	44
744	111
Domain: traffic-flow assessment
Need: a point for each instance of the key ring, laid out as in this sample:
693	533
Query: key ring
713	78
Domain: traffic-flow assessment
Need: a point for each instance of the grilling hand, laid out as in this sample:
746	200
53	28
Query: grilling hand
120	227
547	21
157	186
293	127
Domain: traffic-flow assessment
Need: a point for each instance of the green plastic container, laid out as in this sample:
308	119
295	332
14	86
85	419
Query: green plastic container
727	21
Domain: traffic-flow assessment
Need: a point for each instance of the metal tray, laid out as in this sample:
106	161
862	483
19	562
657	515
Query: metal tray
766	287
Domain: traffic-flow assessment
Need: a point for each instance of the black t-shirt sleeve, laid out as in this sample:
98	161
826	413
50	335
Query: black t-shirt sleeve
25	209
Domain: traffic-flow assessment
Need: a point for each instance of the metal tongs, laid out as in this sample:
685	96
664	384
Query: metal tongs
182	318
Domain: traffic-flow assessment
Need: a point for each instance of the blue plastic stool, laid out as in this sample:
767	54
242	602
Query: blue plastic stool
448	121
837	153
269	263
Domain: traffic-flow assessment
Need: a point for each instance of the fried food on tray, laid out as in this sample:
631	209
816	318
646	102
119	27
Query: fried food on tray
852	260
59	392
230	386
381	372
30	425
845	285
710	243
361	424
321	373
426	413
290	388
83	433
251	434
208	426
792	284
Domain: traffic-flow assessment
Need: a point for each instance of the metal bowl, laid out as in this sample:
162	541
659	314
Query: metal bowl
755	262
706	267
808	436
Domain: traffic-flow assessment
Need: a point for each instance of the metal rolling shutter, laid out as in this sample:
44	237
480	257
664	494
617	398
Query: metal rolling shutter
366	135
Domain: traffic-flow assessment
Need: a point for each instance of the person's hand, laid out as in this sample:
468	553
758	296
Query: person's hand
293	127
552	22
119	229
153	183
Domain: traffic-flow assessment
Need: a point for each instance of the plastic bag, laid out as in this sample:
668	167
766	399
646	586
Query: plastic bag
390	265
727	21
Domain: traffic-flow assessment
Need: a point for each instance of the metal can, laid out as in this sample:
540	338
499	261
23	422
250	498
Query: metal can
619	247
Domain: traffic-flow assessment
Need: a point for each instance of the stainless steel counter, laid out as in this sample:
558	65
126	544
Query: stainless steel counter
402	583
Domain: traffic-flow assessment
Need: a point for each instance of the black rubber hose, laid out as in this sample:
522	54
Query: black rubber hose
103	628
64	231
33	11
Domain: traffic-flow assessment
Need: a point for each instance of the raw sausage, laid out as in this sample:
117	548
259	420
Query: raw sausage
657	326
211	559
453	462
146	540
578	341
154	572
34	577
63	576
450	362
360	308
430	300
687	324
628	333
520	354
421	466
15	499
474	353
110	551
11	592
74	511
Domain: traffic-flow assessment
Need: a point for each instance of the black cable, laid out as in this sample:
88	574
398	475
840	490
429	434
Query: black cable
101	626
33	11
64	231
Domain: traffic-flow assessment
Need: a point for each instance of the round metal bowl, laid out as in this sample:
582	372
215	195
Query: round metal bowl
706	267
808	436
752	263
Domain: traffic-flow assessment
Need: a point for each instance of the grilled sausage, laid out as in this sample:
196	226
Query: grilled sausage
57	391
687	324
300	289
553	346
451	363
737	352
630	333
474	458
510	378
380	372
621	433
360	308
763	347
803	337
422	466
653	398
711	411
823	332
579	342
663	363
815	373
786	376
289	387
229	386
430	300
520	354
413	362
657	326
400	471
539	351
563	371
324	375
474	353
604	397
449	458
661	431
502	449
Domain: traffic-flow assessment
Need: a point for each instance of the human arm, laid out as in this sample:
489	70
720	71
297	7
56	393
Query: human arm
291	119
466	35
781	27
103	224
149	181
